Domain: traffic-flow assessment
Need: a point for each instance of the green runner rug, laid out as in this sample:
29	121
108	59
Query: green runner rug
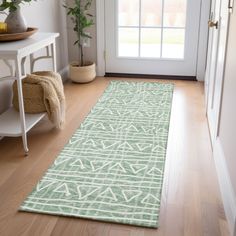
112	168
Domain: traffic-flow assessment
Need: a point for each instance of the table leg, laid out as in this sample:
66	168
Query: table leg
21	105
31	63
23	66
54	60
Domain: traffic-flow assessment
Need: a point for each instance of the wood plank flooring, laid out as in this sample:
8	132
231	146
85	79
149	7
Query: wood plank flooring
191	201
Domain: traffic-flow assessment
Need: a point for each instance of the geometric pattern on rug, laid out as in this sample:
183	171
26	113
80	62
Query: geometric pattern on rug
112	168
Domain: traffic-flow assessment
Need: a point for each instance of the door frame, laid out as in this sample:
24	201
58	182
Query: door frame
217	148
202	42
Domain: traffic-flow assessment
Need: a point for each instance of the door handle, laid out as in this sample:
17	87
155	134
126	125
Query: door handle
212	24
231	6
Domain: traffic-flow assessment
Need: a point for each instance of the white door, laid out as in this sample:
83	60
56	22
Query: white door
152	36
216	62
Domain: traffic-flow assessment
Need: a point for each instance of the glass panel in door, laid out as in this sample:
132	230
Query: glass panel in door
152	28
152	36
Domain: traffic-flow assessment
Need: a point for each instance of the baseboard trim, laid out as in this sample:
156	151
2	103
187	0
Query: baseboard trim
227	192
165	77
64	73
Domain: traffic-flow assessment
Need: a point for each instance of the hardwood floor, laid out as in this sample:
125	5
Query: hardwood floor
191	201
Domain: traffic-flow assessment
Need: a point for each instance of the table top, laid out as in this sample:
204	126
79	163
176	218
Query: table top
28	45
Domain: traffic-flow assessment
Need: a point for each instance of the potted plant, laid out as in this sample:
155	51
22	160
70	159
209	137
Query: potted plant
81	71
15	21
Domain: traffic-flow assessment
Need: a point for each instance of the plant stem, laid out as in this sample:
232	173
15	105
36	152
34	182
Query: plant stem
81	55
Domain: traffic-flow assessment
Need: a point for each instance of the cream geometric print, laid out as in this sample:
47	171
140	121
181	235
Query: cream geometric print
112	168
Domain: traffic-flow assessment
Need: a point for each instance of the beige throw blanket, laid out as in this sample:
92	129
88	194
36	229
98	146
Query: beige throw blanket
43	92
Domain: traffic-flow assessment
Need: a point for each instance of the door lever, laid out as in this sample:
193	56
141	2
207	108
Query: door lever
212	24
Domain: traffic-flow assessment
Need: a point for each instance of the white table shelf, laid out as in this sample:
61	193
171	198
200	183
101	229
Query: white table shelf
10	124
13	123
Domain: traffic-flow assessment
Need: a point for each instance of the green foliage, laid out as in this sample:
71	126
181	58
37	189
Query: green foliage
82	20
12	5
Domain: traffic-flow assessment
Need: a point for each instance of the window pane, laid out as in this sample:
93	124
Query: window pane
151	43
175	13
173	43
128	45
151	12
128	12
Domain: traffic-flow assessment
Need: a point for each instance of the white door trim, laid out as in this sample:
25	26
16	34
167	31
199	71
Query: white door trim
202	47
226	188
100	23
203	39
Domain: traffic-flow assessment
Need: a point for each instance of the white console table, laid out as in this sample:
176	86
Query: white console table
13	123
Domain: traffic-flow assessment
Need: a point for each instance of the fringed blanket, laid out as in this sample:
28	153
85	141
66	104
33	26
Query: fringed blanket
43	92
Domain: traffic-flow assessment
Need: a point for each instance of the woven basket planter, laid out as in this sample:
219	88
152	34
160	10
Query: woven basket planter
82	74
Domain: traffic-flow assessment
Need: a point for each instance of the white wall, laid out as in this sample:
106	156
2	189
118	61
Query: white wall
48	16
225	145
228	114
